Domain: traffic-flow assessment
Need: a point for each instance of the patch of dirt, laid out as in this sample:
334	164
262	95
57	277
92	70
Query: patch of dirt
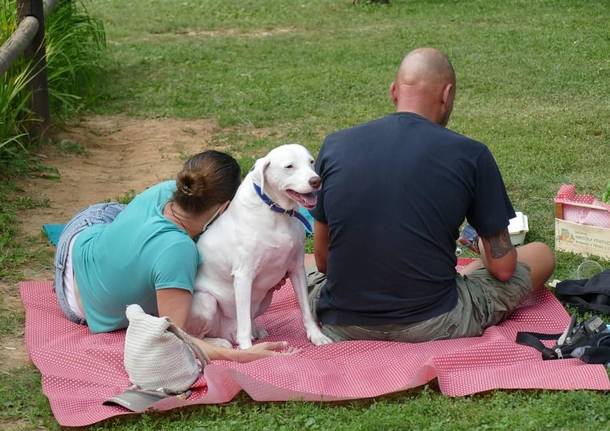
205	34
110	155
10	297
121	154
12	353
254	34
231	32
259	33
12	347
15	425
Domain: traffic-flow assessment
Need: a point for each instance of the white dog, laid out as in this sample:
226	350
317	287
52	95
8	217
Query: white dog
256	242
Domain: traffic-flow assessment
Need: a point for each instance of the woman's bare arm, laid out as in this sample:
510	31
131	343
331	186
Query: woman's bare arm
176	303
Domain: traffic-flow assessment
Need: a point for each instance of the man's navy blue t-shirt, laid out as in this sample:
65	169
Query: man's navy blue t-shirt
394	194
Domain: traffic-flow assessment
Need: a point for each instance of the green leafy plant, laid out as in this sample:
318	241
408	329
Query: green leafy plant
14	111
14	94
75	44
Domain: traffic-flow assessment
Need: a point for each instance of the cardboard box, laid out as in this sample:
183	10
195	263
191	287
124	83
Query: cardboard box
582	239
582	223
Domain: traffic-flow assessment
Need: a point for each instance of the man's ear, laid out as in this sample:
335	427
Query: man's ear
393	94
448	92
260	167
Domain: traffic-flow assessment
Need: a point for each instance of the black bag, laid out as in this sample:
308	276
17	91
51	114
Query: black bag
588	340
587	295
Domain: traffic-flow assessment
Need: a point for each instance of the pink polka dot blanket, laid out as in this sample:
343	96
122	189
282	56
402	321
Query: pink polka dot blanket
80	370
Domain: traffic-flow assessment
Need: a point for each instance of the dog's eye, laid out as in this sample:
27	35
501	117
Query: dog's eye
290	166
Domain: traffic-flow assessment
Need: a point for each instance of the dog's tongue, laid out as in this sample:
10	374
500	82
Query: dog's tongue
309	200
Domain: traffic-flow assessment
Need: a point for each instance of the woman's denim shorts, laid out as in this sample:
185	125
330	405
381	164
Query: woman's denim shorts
95	214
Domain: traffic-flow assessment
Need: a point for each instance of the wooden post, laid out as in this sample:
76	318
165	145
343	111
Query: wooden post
17	42
36	54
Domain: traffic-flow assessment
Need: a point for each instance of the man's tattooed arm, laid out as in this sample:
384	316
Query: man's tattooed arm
500	256
500	245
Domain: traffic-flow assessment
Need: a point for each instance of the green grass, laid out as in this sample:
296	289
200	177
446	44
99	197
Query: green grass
15	254
532	84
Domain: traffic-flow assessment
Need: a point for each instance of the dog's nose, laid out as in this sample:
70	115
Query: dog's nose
315	182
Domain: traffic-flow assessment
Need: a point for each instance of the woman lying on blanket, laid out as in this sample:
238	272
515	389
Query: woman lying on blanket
111	255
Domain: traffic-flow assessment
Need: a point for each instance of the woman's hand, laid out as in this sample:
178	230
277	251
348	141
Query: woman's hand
265	350
176	303
258	351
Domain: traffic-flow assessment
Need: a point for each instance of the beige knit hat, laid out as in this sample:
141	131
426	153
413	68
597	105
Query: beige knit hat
159	356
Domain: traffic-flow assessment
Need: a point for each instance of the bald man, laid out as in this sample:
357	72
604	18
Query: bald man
395	192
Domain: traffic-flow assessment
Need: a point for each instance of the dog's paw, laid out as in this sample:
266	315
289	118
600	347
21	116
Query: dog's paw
245	344
219	342
318	338
258	332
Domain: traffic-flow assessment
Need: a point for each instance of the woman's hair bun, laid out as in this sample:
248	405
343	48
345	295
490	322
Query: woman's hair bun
206	179
191	183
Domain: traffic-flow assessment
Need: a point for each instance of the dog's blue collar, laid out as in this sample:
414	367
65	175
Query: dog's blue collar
278	209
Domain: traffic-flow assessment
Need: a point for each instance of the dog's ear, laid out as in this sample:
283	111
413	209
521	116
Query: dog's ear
260	167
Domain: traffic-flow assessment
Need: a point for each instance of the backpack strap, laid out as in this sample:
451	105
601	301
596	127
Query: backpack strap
532	339
199	353
596	355
577	301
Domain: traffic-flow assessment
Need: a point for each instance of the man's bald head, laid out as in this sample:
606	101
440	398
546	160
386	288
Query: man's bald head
426	65
425	85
